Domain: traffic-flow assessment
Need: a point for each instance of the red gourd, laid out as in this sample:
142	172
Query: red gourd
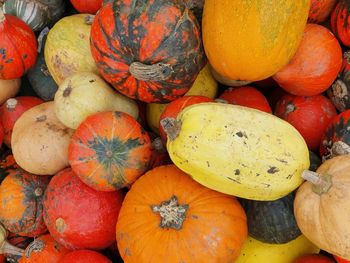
340	22
11	110
340	260
309	115
160	154
246	96
320	10
84	256
18	47
148	50
315	65
2	134
174	108
87	6
313	258
79	217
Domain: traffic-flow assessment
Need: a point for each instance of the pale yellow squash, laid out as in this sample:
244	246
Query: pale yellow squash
9	89
250	40
67	48
85	93
254	251
237	150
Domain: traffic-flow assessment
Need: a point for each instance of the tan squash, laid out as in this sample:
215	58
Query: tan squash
84	94
322	206
40	141
9	89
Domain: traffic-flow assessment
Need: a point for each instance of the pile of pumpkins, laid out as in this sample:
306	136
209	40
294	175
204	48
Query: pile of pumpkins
174	131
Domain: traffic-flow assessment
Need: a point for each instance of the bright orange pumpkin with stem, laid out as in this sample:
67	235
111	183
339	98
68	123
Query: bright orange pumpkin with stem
315	65
168	217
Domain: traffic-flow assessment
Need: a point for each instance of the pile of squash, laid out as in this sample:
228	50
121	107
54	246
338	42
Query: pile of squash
174	131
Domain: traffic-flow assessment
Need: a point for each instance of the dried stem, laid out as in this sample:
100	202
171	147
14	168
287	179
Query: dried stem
171	127
155	72
321	183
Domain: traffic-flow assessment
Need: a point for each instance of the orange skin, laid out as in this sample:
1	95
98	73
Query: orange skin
111	137
315	65
84	256
87	6
50	252
313	258
340	260
340	22
320	10
214	226
21	196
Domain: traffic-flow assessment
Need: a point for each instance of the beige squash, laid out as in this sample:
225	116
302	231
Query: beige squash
40	141
85	93
9	89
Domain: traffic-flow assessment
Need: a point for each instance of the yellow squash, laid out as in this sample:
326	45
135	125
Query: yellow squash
237	150
250	40
255	251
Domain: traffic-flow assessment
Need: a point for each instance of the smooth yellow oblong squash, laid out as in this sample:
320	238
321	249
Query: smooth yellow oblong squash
250	40
238	150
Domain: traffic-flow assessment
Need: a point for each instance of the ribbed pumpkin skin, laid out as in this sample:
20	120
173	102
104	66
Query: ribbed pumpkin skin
84	256
268	40
17	47
214	226
149	32
320	10
21	209
109	151
340	22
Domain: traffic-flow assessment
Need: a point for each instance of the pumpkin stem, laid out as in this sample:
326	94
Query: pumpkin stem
36	246
289	108
89	19
158	145
155	72
321	182
11	104
221	101
171	127
172	214
2	15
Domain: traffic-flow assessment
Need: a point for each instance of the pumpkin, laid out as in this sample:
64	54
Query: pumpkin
340	260
67	203
339	91
204	85
218	145
5	246
87	6
316	202
313	258
17	48
7	163
109	151
67	48
159	155
155	55
309	115
44	249
315	65
1	134
267	41
272	221
245	96
340	22
174	108
40	141
38	13
84	256
335	140
20	242
12	110
21	207
83	94
187	215
320	10
255	251
9	88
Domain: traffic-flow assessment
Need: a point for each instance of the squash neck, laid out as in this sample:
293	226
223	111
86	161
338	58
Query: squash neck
321	183
171	127
6	247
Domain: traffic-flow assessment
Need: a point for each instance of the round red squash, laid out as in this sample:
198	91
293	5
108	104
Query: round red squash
79	217
87	6
21	209
2	134
340	260
11	110
246	96
109	151
340	22
336	138
18	47
313	258
320	10
309	115
84	256
44	249
315	65
168	217
174	108
148	50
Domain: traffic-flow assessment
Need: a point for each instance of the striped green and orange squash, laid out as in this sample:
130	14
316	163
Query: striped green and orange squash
109	151
148	50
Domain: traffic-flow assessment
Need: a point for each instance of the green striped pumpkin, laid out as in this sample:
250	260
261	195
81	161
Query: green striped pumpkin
36	13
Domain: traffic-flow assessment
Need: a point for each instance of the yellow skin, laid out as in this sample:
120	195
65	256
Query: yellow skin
205	85
254	251
252	40
239	151
67	48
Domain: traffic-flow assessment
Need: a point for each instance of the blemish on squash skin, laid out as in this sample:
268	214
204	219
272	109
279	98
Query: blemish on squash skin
41	118
238	182
237	172
273	170
60	224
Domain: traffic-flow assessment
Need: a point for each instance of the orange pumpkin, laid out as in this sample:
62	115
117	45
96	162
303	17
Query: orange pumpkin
313	258
21	210
43	249
168	217
315	65
320	10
